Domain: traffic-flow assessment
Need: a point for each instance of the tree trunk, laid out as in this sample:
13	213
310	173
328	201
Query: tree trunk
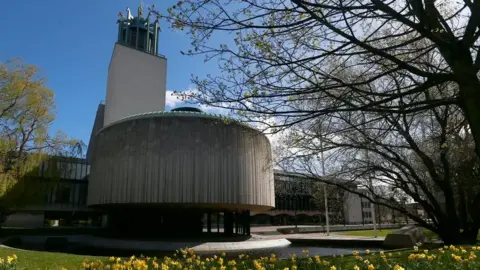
453	236
469	236
469	100
379	216
295	218
393	216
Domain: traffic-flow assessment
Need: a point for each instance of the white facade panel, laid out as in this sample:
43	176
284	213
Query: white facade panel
136	84
353	209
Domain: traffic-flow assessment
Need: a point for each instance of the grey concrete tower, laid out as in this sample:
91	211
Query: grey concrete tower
137	73
170	172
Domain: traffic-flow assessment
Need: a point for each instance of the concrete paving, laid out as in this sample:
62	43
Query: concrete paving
258	241
171	246
255	242
320	236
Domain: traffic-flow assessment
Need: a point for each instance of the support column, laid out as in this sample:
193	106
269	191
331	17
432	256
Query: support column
209	221
236	222
228	223
244	222
104	221
247	217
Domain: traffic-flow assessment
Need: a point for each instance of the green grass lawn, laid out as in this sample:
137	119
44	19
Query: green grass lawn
44	260
50	260
366	232
384	232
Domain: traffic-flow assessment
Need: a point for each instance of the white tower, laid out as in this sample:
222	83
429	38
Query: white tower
137	75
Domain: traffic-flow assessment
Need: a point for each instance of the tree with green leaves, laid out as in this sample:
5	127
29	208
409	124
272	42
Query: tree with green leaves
27	110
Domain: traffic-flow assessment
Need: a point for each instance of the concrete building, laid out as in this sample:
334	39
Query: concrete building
152	172
166	171
65	204
297	202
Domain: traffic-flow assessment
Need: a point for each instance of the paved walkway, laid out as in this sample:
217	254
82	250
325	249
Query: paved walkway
256	242
320	236
252	243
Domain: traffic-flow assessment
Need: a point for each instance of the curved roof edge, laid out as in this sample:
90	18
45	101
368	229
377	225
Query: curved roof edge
178	113
186	109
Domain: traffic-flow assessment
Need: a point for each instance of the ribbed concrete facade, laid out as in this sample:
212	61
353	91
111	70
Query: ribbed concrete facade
182	159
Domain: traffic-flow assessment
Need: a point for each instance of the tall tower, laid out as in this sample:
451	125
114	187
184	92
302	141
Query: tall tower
137	74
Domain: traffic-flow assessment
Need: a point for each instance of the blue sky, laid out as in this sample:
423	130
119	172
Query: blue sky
72	42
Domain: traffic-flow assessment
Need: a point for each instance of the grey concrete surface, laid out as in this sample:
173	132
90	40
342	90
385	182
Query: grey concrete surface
182	159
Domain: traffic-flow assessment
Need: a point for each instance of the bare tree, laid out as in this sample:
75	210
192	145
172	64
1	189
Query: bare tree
336	201
395	79
427	156
285	51
293	192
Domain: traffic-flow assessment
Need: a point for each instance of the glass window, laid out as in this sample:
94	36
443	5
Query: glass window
62	194
82	193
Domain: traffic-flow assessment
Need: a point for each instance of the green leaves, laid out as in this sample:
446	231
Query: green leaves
26	113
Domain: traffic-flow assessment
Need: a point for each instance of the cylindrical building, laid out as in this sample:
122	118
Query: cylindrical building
168	170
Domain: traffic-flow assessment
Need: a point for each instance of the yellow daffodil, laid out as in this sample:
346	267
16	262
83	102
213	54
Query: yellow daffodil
456	258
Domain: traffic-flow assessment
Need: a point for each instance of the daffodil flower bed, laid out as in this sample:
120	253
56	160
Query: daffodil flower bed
448	257
10	262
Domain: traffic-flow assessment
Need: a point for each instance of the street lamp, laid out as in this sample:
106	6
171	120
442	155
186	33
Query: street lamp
324	188
375	234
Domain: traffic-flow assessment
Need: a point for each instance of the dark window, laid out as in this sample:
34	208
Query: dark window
62	194
82	193
141	38
133	36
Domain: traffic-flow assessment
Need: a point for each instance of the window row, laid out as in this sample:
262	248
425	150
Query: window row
74	193
366	204
298	203
367	214
66	170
